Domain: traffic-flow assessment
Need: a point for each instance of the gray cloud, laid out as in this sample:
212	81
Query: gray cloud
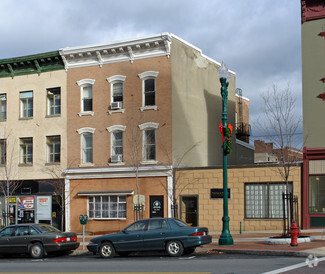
259	40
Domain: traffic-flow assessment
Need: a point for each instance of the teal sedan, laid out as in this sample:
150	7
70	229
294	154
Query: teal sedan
169	234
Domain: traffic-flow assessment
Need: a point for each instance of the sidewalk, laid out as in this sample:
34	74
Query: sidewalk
253	243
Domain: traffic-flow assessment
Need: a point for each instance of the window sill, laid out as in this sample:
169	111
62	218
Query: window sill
87	113
149	162
25	165
149	108
116	164
53	164
53	116
87	165
25	118
3	120
116	111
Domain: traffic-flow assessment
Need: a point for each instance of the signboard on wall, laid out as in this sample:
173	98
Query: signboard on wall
217	193
156	206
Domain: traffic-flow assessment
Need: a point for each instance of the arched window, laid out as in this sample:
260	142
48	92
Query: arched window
148	89
86	95
117	135
149	141
86	144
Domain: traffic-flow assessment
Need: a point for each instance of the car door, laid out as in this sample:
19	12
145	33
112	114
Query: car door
131	238
5	239
154	236
20	239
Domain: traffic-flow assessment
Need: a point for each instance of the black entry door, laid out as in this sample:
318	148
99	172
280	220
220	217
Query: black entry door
189	210
156	206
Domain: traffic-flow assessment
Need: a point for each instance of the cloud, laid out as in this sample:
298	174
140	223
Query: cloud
259	40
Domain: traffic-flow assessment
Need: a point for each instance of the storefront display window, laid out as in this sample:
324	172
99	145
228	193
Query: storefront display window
316	199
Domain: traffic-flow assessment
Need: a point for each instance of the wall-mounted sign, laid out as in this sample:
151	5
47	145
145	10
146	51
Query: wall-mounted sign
12	200
26	203
217	193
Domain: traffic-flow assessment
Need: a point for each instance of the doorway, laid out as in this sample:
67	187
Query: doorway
189	209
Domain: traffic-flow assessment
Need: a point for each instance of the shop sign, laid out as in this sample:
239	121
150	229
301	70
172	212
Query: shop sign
26	203
217	193
12	200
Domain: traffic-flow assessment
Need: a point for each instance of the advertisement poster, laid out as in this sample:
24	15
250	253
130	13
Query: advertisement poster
26	203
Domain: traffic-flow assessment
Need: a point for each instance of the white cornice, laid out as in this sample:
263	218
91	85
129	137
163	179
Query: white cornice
118	172
121	51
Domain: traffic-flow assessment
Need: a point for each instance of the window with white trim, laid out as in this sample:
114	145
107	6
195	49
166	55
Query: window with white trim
53	145
53	101
264	200
26	151
86	145
26	104
149	141
148	89
3	107
117	90
86	86
117	134
107	207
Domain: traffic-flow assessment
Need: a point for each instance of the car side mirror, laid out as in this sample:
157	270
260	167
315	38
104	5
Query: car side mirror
124	231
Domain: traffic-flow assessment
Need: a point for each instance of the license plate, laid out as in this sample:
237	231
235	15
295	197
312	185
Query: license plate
68	239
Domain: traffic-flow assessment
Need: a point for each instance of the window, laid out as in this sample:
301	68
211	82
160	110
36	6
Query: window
53	101
3	151
86	144
26	104
87	148
137	226
149	89
149	145
117	143
26	151
264	201
53	144
3	107
316	199
107	207
117	133
86	96
117	88
149	141
155	224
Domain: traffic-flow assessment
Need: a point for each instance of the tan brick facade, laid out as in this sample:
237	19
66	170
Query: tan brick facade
210	211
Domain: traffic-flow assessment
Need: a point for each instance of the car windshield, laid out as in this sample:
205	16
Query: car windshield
47	228
180	223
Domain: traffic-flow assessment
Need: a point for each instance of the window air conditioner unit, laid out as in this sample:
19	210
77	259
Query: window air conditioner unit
116	158
116	105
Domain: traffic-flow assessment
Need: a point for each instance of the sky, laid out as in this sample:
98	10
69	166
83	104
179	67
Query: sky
260	40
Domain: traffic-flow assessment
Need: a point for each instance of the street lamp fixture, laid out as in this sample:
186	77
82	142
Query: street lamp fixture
224	77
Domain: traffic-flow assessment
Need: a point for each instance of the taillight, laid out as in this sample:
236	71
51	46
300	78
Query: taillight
60	240
65	239
202	233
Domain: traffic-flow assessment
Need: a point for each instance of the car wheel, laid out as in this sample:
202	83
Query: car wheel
189	251
36	251
106	250
174	248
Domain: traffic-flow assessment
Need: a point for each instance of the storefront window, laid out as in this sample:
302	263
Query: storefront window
316	194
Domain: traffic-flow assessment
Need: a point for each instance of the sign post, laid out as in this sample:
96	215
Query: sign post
83	220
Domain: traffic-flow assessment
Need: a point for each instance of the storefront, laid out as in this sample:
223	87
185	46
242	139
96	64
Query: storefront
27	209
314	188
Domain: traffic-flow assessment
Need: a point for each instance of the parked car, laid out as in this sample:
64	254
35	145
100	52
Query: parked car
172	235
37	240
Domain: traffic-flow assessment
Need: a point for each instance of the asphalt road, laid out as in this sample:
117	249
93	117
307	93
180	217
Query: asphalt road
201	262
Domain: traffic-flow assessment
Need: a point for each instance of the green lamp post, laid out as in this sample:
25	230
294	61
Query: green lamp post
224	77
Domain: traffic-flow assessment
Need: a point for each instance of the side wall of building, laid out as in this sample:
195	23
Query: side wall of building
197	107
313	71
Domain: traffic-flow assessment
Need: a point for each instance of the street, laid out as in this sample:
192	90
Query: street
159	262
